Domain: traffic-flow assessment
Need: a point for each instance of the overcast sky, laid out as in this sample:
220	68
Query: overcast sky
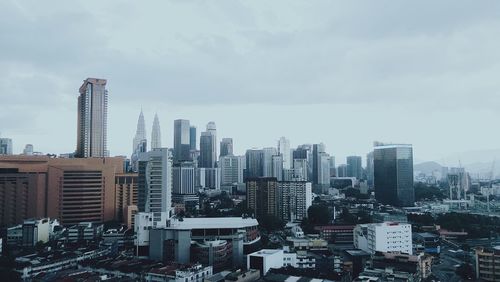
344	73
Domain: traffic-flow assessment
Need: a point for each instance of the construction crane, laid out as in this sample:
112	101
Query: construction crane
490	185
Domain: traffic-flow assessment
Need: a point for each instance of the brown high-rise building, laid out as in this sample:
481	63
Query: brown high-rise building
71	190
262	196
125	194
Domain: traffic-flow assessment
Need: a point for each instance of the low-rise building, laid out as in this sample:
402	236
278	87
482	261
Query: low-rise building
488	264
430	243
265	259
85	232
417	265
384	237
177	273
338	234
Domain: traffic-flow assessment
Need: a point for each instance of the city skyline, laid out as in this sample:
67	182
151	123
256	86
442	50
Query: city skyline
408	70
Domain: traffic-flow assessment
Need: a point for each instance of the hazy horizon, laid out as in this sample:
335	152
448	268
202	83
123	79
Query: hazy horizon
342	73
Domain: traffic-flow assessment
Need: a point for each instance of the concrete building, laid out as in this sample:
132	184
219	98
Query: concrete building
126	185
72	190
182	140
92	119
28	150
254	159
262	195
384	237
155	182
231	169
34	231
419	266
284	151
208	147
265	259
354	167
267	161
226	147
192	273
85	232
143	223
5	146
210	240
488	264
294	198
277	167
393	174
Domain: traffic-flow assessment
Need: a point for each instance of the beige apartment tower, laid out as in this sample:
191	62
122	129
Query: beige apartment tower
92	119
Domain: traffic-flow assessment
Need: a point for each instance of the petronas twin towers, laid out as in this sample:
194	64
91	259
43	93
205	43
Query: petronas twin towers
140	135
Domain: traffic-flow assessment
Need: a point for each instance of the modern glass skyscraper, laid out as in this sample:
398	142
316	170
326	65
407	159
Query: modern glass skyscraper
5	146
253	158
208	147
192	138
140	133
182	140
393	174
354	167
92	119
284	150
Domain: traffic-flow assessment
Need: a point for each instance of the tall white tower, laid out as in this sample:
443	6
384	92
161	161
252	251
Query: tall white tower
156	134
284	150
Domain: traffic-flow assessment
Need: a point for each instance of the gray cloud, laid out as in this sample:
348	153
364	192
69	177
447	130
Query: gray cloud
417	55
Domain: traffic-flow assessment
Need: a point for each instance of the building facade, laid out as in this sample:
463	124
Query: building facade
92	119
393	174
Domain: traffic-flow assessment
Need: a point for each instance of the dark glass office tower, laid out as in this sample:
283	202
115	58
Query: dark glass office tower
393	173
354	167
182	140
192	138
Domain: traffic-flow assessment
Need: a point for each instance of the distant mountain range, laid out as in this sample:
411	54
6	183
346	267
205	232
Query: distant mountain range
477	163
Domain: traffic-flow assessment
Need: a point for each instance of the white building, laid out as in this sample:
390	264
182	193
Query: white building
143	222
231	169
158	175
266	259
383	237
284	150
295	197
36	230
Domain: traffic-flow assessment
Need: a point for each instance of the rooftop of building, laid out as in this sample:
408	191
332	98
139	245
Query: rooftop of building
214	223
357	253
427	235
266	252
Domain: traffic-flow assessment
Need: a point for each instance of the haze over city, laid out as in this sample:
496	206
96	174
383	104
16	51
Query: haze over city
341	73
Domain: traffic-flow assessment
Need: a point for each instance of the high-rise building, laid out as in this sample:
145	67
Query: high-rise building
140	133
156	134
286	200
182	144
139	144
488	263
231	168
192	138
5	146
393	174
183	179
267	161
277	167
208	147
300	167
28	150
126	195
155	183
92	119
369	169
262	196
253	159
321	165
226	147
294	198
354	167
342	170
284	150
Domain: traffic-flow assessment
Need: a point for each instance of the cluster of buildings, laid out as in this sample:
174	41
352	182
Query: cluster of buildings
64	205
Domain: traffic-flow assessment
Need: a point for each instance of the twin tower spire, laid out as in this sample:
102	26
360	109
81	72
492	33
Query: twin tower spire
140	134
